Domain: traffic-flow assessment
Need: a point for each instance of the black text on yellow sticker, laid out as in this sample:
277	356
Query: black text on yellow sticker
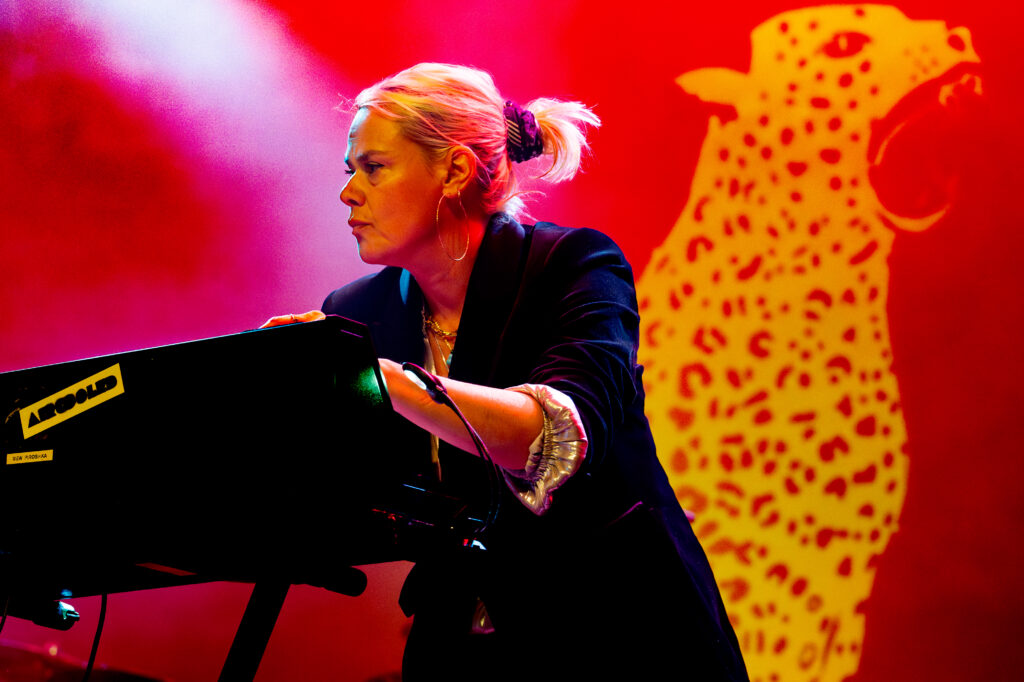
72	401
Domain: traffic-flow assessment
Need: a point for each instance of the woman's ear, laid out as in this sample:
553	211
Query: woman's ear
460	168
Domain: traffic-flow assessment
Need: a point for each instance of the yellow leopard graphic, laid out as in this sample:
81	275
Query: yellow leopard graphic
766	341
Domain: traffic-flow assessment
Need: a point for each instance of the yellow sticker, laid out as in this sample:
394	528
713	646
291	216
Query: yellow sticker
72	401
37	456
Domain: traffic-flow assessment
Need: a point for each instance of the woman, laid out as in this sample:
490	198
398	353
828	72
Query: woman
590	567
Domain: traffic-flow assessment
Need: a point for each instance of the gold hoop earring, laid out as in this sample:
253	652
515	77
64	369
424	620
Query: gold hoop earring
437	229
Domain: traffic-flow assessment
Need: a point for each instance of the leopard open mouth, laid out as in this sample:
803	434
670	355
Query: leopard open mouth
916	153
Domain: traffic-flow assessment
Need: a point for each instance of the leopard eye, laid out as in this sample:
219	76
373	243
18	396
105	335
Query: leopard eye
845	44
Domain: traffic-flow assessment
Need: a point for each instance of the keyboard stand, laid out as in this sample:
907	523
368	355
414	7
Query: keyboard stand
254	631
265	604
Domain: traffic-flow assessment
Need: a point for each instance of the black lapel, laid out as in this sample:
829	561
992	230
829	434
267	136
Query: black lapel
398	327
493	287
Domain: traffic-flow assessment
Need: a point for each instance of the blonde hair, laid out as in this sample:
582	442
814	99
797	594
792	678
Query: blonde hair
440	106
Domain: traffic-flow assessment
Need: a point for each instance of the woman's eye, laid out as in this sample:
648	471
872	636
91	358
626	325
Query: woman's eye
368	168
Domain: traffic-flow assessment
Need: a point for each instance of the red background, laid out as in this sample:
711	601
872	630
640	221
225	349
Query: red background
169	171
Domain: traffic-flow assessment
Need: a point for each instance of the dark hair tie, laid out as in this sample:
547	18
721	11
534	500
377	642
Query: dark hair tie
523	139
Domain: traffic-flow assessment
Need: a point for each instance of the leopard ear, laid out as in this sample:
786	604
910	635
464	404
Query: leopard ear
714	85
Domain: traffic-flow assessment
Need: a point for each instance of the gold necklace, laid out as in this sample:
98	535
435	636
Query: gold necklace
441	351
437	329
432	330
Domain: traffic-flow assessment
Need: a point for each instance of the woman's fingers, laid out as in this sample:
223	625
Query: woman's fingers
311	316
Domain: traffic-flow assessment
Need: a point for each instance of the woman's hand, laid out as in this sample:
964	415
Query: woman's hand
311	316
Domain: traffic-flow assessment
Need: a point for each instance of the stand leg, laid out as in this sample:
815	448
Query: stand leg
254	632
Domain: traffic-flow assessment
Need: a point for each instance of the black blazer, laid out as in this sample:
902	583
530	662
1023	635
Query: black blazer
555	306
547	305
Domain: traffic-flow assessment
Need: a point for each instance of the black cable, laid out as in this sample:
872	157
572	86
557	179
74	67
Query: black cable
439	394
96	638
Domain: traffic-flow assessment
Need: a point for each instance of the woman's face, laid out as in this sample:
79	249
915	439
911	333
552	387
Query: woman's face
392	193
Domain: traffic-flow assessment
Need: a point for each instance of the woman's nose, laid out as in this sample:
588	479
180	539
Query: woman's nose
349	196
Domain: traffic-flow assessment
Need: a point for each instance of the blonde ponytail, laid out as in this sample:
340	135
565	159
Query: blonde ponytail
563	129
